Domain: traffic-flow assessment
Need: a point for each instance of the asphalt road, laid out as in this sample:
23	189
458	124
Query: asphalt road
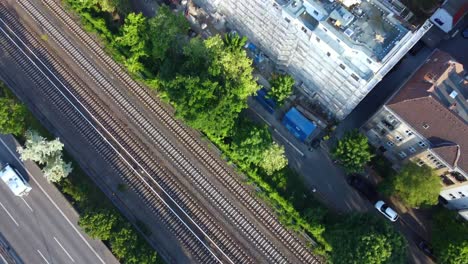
41	227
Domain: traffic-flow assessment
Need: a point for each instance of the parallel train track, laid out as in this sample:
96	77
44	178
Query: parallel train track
143	186
185	137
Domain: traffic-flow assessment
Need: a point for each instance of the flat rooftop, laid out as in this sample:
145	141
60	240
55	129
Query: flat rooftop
367	26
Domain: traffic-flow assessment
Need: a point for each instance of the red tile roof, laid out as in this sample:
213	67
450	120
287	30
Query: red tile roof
414	102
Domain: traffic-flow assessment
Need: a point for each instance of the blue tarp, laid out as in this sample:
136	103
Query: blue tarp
268	103
298	125
252	47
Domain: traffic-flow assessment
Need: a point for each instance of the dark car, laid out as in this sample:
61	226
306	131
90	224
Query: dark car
363	187
465	33
426	248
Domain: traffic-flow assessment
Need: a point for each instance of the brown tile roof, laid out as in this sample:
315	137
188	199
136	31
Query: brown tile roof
414	103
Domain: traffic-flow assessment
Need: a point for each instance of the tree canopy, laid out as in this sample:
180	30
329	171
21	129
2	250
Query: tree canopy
364	238
165	28
98	224
450	237
134	41
416	185
212	86
12	113
281	88
273	159
12	116
353	151
44	152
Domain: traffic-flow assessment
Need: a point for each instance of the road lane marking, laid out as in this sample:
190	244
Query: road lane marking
27	204
68	254
52	201
110	134
3	258
9	214
43	257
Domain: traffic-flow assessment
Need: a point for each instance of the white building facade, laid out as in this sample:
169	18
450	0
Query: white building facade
336	50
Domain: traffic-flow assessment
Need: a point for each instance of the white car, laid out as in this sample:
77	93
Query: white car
15	181
386	210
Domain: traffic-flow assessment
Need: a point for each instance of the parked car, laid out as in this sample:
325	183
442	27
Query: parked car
426	248
465	33
386	211
15	181
364	187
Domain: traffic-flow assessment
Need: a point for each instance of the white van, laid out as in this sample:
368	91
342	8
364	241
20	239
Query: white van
15	181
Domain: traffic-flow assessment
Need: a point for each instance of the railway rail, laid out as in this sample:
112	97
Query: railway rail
185	137
233	214
144	186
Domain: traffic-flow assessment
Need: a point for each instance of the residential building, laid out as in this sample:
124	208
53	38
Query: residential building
337	50
426	121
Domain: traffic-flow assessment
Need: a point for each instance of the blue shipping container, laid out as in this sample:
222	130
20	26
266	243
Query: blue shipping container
298	125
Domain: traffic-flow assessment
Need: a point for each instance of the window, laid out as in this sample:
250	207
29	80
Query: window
399	138
328	54
354	76
429	156
402	154
409	132
420	163
315	13
390	144
317	38
422	144
461	194
438	21
412	149
342	66
425	126
452	196
369	61
304	29
287	19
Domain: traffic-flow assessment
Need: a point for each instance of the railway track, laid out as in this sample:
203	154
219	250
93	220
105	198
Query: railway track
143	185
185	136
217	198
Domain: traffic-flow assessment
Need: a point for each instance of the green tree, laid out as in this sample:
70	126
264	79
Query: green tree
44	152
365	238
353	151
12	116
130	248
133	41
98	225
281	88
234	42
416	185
38	148
249	143
273	159
164	30
211	96
56	169
450	237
